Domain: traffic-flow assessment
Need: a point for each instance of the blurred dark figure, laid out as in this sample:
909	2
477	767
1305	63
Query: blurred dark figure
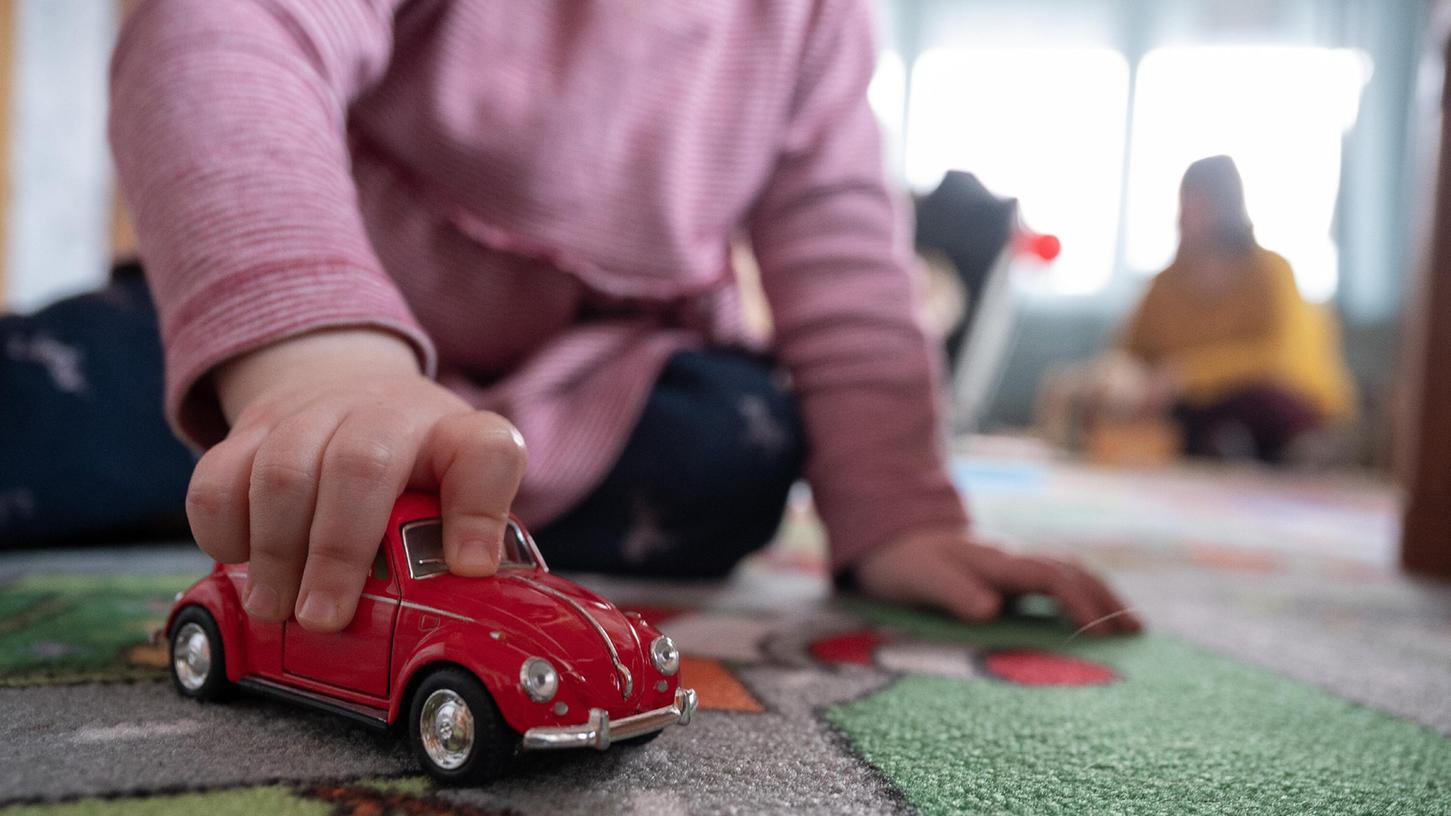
85	453
970	225
1240	360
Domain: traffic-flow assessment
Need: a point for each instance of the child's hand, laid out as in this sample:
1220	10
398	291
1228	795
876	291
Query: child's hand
327	430
948	570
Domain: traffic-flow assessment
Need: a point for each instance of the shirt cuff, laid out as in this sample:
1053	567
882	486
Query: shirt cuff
249	310
856	528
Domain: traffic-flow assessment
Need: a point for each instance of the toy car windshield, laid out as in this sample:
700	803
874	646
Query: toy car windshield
423	542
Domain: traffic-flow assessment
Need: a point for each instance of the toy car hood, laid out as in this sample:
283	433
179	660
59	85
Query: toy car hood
550	617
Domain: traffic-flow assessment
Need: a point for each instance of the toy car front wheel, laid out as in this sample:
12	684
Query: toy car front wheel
456	731
198	663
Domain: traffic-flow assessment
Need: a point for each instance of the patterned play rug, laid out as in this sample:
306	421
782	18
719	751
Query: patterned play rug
1287	671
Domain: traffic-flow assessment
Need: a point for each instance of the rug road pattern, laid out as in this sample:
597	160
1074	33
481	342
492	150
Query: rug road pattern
810	705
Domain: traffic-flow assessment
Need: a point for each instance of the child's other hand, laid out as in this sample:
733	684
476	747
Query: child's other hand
327	430
948	570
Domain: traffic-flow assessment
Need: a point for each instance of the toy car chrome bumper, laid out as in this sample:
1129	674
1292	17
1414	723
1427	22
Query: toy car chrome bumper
598	732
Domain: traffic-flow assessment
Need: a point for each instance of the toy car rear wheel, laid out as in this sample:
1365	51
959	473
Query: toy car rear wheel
456	731
198	661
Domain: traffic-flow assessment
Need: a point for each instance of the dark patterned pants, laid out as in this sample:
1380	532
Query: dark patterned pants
86	456
702	481
1258	420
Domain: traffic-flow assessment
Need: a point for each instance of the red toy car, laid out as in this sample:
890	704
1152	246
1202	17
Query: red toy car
475	667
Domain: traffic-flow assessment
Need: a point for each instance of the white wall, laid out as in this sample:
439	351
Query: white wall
60	169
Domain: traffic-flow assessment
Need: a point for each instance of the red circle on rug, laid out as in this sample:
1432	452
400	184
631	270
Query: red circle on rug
853	647
1030	667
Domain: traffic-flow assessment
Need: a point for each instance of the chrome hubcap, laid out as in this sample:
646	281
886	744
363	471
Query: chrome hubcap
447	729
191	655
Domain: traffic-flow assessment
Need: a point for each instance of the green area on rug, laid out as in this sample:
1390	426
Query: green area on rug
70	628
273	800
1183	731
404	794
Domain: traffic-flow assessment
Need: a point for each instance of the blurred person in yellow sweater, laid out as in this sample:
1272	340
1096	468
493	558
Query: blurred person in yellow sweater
1243	363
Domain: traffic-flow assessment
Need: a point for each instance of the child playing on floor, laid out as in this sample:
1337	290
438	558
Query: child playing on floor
392	241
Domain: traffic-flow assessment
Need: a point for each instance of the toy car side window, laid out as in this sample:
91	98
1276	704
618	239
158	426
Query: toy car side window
516	552
423	544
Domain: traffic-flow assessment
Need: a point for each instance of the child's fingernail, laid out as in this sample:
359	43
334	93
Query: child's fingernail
476	555
262	602
318	611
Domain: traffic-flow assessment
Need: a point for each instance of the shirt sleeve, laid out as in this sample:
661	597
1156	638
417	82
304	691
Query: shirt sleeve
228	125
835	269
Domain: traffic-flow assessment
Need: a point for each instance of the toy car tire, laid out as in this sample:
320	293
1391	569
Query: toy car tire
457	732
197	659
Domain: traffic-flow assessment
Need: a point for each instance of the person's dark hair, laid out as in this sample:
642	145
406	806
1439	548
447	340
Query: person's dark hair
1217	181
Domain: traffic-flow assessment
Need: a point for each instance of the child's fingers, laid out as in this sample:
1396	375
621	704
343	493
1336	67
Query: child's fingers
1110	603
963	594
1024	574
477	460
1078	601
282	494
364	469
216	498
928	574
1090	609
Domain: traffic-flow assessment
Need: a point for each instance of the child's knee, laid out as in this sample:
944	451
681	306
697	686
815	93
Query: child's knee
729	444
737	421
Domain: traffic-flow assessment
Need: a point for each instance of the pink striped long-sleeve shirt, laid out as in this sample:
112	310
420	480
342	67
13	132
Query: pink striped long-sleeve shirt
540	197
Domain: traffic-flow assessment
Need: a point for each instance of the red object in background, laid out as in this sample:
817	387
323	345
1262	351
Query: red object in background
1045	248
473	667
1029	667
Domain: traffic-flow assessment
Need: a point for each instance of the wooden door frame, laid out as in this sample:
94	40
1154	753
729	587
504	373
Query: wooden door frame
1426	528
8	57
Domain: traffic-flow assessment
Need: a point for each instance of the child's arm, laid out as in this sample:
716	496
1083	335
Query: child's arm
283	334
835	273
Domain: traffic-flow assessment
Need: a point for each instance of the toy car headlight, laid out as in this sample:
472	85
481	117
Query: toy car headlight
664	655
539	679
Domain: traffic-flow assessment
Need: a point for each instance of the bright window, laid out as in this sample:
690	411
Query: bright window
888	96
1281	112
1045	126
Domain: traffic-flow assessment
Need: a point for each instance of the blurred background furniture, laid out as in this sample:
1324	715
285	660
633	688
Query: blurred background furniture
974	230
